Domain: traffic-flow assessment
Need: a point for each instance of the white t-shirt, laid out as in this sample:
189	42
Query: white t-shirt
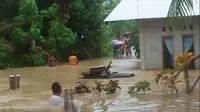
56	100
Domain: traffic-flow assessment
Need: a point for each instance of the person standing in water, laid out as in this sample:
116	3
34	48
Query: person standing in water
55	99
73	60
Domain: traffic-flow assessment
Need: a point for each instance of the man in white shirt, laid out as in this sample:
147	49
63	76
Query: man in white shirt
55	99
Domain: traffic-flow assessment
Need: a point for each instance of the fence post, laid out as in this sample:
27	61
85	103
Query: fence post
18	81
14	82
68	100
11	82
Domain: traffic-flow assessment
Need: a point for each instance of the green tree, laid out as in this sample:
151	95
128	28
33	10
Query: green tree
28	12
86	21
82	31
59	35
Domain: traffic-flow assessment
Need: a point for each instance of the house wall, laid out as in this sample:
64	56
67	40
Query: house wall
151	41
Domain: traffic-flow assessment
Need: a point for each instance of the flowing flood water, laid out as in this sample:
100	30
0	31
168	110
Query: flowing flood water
36	90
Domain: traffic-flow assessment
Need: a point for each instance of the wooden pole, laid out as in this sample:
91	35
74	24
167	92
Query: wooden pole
68	100
14	82
18	81
11	82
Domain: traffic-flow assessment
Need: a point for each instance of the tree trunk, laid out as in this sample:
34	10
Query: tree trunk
33	43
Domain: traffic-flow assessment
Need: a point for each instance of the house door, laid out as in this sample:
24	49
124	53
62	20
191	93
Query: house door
168	52
188	45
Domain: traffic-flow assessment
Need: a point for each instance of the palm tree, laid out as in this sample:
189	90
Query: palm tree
179	11
180	8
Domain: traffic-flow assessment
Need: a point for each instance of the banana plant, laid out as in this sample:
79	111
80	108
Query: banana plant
169	77
182	62
179	12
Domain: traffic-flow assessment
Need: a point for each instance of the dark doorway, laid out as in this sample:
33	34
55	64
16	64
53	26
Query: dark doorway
188	44
168	52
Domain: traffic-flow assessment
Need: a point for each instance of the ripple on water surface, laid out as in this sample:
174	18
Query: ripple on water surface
126	104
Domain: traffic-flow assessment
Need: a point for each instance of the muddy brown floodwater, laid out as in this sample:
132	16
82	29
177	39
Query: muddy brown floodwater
36	81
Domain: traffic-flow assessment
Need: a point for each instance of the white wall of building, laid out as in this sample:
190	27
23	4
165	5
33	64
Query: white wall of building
151	35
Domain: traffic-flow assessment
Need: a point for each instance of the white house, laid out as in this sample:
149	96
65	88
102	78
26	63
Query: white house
158	42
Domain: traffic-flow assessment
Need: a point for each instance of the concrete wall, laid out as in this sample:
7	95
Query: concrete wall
151	35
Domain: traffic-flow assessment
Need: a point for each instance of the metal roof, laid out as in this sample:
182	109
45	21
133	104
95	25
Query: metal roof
143	9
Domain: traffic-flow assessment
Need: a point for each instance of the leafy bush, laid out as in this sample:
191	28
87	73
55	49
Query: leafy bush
139	87
4	55
110	87
35	58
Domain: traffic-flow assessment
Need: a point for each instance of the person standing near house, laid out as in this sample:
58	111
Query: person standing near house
55	99
120	50
122	45
126	50
73	60
117	50
114	51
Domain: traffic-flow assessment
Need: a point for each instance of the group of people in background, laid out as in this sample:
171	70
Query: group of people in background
51	61
120	49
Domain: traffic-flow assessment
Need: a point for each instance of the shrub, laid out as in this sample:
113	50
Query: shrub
35	58
4	55
110	87
142	86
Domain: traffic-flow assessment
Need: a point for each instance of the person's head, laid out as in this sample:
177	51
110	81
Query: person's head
56	88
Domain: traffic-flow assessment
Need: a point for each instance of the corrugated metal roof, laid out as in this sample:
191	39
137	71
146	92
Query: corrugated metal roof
141	9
